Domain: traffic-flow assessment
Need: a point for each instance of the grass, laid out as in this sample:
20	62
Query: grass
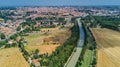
43	48
108	47
12	57
36	40
33	38
87	59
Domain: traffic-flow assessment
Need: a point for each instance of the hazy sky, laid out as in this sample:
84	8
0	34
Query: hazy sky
57	2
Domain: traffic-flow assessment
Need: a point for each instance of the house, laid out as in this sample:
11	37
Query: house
35	63
11	42
29	60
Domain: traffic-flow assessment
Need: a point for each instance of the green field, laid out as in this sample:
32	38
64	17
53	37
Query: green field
87	59
34	38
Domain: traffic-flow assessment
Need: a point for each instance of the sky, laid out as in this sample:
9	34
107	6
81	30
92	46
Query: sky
57	2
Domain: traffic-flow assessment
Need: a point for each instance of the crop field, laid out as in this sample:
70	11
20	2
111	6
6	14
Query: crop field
108	47
12	57
46	41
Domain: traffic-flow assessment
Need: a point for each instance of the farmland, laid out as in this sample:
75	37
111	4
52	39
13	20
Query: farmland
46	41
12	57
108	47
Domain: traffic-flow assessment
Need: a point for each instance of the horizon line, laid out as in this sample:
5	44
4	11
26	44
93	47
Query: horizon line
59	6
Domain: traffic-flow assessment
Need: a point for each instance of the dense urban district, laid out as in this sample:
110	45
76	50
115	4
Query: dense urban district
61	36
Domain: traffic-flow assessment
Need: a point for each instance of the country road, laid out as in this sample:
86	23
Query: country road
75	55
7	37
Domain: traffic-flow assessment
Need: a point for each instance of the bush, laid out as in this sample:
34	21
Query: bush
94	62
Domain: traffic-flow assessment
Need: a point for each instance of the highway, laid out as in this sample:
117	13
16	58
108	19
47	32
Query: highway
75	55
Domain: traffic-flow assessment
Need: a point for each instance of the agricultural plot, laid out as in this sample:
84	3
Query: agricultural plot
12	57
46	42
108	47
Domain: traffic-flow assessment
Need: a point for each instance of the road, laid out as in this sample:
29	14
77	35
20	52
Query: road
75	55
7	37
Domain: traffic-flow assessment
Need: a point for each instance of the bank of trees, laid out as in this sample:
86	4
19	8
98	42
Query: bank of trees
21	45
73	19
2	36
110	25
108	22
2	43
103	21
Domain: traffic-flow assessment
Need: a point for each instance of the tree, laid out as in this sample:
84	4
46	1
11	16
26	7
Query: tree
91	48
2	36
14	44
7	45
36	51
3	42
27	29
94	62
18	28
39	18
14	36
61	19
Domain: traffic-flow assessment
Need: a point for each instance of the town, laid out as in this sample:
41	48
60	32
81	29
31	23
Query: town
59	36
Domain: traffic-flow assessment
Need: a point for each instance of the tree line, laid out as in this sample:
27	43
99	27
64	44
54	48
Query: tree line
103	21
